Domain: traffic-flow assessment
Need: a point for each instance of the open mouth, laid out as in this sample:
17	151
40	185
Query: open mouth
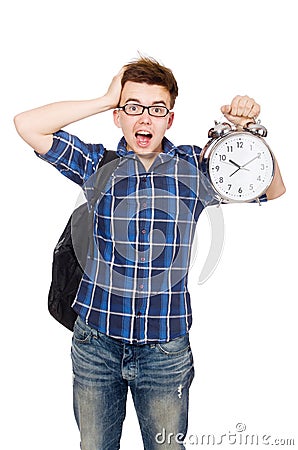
144	134
143	138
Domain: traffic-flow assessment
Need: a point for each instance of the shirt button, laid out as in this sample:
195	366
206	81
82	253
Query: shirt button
141	286
143	259
143	231
144	205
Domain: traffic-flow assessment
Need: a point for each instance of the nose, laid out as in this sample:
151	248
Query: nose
145	117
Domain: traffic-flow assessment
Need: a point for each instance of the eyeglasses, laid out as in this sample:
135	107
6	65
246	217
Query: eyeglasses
133	109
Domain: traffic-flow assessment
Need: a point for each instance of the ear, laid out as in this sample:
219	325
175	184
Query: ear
116	116
171	119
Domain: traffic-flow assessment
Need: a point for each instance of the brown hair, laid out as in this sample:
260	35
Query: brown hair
148	70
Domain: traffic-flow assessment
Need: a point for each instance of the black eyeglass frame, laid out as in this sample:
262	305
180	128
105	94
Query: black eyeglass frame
122	108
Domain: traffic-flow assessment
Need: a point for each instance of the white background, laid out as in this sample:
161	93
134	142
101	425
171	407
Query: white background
244	336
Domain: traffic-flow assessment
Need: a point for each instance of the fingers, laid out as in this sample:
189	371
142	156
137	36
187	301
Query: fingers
243	106
225	109
121	72
115	88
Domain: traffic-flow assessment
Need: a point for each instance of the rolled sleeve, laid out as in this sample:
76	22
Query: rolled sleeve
72	157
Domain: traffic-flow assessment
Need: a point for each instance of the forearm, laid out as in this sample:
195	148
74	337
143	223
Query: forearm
277	187
37	126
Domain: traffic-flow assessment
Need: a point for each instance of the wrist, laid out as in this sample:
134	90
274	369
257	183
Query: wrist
104	103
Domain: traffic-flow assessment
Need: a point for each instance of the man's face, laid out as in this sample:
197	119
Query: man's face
144	133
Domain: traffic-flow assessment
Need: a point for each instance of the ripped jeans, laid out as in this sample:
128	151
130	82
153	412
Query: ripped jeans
158	375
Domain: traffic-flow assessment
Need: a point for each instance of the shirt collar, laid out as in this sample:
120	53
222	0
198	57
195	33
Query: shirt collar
168	148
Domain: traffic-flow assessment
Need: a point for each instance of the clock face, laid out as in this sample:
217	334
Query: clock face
240	166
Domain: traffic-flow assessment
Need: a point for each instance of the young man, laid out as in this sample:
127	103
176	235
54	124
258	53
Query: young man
133	303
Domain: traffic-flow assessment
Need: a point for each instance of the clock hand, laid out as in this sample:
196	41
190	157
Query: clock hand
237	165
235	172
251	161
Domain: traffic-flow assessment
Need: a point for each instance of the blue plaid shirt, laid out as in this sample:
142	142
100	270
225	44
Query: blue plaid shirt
135	283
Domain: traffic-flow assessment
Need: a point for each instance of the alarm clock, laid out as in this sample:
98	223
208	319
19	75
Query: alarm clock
238	162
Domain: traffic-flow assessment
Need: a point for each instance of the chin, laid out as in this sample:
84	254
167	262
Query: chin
146	150
146	153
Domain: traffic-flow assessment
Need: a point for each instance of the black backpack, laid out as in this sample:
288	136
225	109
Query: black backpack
67	266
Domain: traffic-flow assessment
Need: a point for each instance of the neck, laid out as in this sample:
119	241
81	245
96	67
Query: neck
147	160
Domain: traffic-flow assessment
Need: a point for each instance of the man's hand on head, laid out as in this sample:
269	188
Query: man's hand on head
114	91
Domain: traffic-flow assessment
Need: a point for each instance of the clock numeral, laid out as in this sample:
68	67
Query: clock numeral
251	187
222	157
230	148
221	180
217	168
239	144
229	186
240	190
262	166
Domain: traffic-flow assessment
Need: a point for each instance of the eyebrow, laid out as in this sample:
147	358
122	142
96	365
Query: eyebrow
138	101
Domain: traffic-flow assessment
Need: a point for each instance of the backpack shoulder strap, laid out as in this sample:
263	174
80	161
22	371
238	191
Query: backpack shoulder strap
111	160
108	156
101	177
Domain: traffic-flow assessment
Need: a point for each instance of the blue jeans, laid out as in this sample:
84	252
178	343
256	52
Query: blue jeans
158	375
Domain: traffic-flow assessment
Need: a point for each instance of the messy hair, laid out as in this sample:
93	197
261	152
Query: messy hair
148	70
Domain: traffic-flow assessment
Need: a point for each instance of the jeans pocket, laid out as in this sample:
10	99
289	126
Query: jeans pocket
176	346
82	333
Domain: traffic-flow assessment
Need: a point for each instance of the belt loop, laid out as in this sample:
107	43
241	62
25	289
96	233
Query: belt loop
94	332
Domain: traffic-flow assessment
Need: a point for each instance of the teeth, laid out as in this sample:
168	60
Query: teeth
143	133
